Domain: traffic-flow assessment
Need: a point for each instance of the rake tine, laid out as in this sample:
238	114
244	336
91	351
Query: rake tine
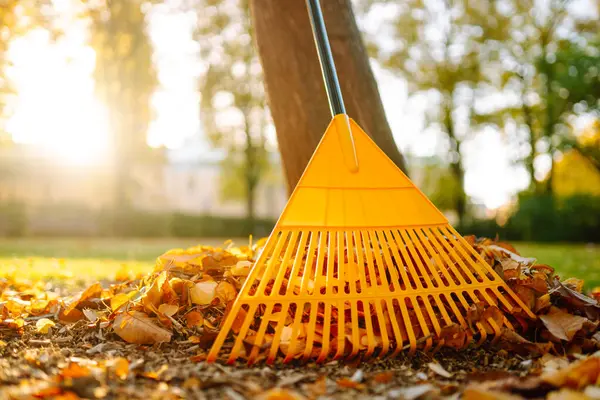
326	334
374	246
341	263
341	330
388	261
399	262
361	270
406	259
408	325
382	328
314	238
417	259
351	263
422	322
284	263
260	291
295	328
422	254
297	262
443	259
355	329
310	330
395	327
277	337
369	257
462	273
260	334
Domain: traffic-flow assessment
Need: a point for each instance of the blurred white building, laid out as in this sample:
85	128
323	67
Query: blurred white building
31	177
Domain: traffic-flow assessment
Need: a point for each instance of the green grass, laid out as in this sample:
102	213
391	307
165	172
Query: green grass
102	258
569	260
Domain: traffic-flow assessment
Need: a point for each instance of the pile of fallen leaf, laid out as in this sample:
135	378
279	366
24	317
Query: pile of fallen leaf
187	296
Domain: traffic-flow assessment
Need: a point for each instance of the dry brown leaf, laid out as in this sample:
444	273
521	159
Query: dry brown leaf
574	284
280	394
562	325
137	327
71	316
152	298
194	319
91	292
567	394
577	376
512	341
474	393
349	384
542	303
74	370
383	377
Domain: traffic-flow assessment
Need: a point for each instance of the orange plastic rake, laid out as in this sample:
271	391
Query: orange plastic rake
360	261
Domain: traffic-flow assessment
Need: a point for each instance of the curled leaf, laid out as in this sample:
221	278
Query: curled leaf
203	293
43	325
562	325
168	309
137	327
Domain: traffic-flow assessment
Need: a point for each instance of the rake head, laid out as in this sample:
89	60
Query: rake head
361	263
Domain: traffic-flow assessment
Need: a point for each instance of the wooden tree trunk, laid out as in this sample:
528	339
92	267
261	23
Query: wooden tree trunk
294	83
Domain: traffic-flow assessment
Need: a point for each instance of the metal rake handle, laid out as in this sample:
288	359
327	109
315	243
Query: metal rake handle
332	85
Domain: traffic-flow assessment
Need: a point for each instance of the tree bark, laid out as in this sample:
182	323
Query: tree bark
294	82
456	166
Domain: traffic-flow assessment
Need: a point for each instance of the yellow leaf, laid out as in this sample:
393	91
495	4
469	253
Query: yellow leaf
194	339
43	325
121	366
225	292
137	327
122	274
121	299
168	309
203	293
151	299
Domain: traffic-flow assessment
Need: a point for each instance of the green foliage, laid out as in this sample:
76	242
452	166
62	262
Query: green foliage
543	218
440	186
234	110
548	65
440	47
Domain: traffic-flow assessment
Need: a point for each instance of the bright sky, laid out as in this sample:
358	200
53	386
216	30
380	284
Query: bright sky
56	106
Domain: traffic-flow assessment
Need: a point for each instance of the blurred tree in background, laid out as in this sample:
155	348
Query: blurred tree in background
548	71
234	112
125	81
440	47
588	144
